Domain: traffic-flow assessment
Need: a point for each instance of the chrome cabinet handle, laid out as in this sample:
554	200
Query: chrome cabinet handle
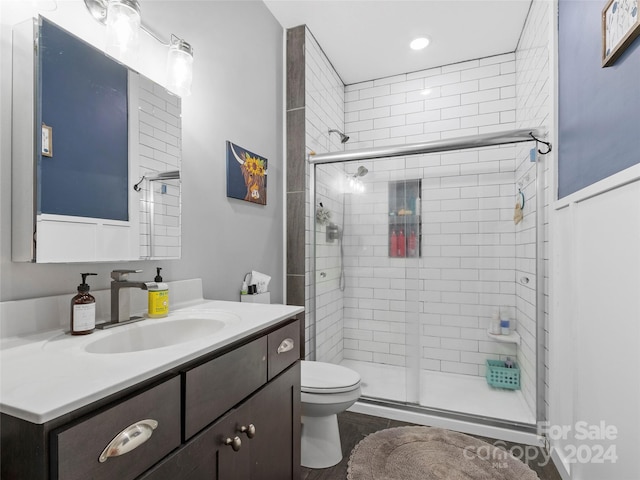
286	345
250	430
235	443
129	439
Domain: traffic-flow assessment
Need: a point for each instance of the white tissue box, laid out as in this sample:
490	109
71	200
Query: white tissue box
256	298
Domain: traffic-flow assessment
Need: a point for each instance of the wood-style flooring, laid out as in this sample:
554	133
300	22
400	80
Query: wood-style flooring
354	427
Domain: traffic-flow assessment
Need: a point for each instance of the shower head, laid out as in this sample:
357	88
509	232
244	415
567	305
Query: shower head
362	171
343	138
354	183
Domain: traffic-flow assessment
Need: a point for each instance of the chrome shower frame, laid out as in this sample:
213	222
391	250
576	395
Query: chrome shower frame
460	143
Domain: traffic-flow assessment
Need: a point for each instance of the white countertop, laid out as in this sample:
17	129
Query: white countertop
45	375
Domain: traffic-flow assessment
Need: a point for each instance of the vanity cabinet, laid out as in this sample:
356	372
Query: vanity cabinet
257	440
231	414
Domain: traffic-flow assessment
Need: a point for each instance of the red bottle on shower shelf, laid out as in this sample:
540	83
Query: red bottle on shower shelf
393	251
413	252
402	246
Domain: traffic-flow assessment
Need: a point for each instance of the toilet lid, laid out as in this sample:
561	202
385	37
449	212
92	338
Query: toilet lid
320	377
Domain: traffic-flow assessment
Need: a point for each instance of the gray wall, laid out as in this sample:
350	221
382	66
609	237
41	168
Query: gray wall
599	108
237	96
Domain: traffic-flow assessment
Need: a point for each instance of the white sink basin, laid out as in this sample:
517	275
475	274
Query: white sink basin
149	335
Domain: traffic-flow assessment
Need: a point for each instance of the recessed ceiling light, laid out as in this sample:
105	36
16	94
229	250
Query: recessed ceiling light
419	43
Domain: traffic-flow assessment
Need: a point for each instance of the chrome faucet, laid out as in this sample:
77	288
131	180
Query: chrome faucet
121	304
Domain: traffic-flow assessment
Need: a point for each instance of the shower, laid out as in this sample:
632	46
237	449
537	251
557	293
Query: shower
413	320
343	138
361	172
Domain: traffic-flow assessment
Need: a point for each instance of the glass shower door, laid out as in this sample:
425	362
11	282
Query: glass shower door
367	244
421	252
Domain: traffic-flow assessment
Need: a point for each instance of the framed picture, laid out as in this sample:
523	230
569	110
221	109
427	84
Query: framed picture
47	141
246	175
620	27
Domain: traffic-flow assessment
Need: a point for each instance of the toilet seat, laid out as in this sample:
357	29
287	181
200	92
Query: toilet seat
327	378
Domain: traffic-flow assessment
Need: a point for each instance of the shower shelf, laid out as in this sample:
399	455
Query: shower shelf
405	225
513	337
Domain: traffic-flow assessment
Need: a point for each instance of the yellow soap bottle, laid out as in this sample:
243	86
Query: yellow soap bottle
158	298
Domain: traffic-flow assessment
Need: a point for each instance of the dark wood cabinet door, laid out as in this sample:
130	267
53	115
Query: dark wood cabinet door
272	452
275	413
208	456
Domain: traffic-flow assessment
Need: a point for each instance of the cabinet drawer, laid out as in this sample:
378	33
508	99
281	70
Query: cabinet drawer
284	348
214	387
76	450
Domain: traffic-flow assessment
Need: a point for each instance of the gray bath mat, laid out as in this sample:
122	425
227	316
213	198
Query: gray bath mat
429	453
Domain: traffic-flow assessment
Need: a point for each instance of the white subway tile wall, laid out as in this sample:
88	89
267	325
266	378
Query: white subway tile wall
461	99
466	272
533	108
159	150
324	110
467	269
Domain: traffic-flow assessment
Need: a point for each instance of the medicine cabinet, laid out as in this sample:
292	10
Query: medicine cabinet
95	157
405	226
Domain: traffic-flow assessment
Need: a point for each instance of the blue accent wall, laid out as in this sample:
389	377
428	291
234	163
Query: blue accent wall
599	108
84	101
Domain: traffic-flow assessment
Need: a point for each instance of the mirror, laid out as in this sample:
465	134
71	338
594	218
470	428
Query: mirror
96	154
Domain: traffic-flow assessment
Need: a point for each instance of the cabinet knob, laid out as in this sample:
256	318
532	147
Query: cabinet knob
128	439
235	443
286	345
250	430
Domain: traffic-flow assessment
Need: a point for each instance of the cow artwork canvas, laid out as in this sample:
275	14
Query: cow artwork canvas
246	175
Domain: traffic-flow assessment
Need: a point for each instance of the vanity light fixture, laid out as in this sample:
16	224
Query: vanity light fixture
419	43
122	18
123	27
180	67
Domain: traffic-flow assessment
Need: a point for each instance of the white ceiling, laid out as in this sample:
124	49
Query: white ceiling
369	39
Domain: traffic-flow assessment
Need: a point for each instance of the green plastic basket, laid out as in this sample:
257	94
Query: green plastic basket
498	375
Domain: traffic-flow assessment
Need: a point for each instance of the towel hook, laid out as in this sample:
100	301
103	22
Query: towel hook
521	193
541	141
137	187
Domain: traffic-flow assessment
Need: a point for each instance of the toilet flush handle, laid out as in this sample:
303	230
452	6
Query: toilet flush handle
286	345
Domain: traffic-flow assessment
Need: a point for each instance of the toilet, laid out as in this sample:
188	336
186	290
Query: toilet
326	390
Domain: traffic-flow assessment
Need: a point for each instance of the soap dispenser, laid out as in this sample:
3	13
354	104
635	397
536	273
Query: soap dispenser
158	297
83	309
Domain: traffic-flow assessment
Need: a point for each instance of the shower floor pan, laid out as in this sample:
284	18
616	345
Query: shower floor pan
446	391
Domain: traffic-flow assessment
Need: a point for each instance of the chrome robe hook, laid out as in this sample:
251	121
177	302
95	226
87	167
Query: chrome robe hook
541	141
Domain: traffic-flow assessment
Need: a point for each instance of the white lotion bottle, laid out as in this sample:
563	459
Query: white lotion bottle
494	326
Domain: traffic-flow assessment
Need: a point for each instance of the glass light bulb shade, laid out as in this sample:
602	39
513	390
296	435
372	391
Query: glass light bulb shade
179	69
123	29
